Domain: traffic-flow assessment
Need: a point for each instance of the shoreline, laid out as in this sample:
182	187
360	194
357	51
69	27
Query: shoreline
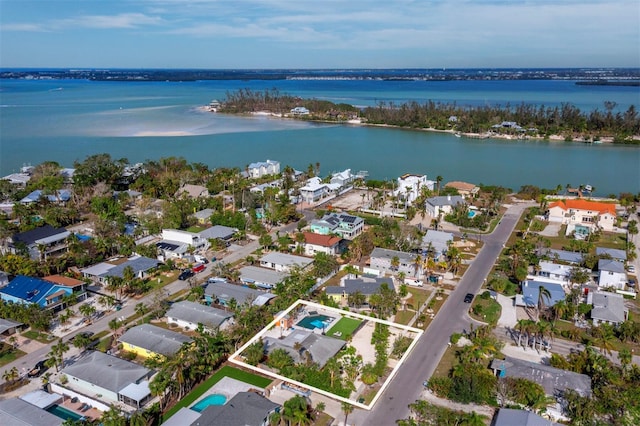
470	135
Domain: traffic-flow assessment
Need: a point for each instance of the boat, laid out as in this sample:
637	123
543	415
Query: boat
457	135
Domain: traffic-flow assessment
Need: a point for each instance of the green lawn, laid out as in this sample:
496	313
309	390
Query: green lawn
195	229
226	371
418	296
403	317
345	326
9	355
37	335
486	310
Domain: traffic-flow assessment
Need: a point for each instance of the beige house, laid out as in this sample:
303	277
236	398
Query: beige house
465	189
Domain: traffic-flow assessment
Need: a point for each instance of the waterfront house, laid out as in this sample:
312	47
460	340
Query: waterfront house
100	273
263	168
317	243
23	289
261	277
345	225
18	179
531	291
435	244
301	344
192	191
611	273
108	379
245	408
364	285
299	110
342	179
382	260
465	189
410	186
41	242
554	381
189	315
442	205
591	215
607	308
223	293
283	262
150	341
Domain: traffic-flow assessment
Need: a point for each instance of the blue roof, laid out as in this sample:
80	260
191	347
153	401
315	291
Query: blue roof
531	289
31	290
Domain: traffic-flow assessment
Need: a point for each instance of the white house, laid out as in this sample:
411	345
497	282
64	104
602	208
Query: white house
283	262
184	237
317	243
299	111
189	315
314	190
344	178
554	272
410	185
611	274
383	260
436	206
590	214
263	168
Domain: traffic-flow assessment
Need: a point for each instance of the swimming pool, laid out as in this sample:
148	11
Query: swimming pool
63	413
314	321
214	399
471	214
83	237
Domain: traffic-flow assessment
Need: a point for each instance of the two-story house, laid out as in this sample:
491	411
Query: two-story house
343	224
587	214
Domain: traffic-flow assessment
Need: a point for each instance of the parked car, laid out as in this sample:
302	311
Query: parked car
186	274
468	298
38	369
198	268
413	282
200	259
216	280
631	268
213	259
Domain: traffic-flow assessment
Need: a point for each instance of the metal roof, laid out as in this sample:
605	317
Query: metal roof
512	417
198	314
16	412
154	339
257	275
106	371
531	290
37	235
614	253
611	265
285	259
241	294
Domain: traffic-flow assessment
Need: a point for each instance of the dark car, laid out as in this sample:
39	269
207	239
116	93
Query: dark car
39	368
186	274
468	298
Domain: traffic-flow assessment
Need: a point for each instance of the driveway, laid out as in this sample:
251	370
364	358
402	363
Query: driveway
508	316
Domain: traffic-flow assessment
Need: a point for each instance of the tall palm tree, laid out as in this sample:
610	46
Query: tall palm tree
57	353
543	294
346	409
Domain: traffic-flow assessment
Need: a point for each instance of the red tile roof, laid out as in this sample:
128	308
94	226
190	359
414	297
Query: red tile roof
321	240
62	280
585	205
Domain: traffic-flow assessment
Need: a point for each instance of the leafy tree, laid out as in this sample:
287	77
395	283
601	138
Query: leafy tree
324	264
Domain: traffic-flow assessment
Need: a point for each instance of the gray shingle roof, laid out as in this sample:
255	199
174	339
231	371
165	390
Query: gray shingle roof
322	348
242	295
614	253
286	259
138	264
198	314
611	265
218	231
563	255
445	200
366	286
254	274
608	307
16	412
511	417
106	371
245	408
155	339
553	380
390	254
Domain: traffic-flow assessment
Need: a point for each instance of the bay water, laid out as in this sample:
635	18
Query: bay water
67	120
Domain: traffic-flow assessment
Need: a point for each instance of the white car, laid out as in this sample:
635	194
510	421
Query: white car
413	281
631	268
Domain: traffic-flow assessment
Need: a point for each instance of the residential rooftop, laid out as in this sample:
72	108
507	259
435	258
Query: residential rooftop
154	339
198	314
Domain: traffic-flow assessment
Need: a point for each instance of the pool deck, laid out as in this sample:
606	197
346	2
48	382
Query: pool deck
92	413
228	387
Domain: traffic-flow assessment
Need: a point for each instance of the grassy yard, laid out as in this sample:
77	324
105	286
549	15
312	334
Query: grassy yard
447	362
418	297
8	354
435	305
195	229
486	310
345	326
165	278
403	317
38	336
226	371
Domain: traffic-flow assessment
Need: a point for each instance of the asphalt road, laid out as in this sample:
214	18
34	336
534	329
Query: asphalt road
406	386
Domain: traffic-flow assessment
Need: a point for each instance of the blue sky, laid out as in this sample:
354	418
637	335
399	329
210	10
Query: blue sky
319	33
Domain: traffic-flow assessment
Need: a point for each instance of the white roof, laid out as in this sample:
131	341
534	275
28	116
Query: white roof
286	259
136	391
41	399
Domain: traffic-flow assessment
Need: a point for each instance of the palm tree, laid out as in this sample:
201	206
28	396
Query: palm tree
11	375
543	294
57	353
473	419
438	181
346	409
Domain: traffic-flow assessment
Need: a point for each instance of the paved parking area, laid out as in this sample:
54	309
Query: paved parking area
508	316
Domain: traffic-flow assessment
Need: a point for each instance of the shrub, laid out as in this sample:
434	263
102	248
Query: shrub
485	295
455	337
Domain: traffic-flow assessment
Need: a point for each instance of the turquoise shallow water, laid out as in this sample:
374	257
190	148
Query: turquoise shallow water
67	120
